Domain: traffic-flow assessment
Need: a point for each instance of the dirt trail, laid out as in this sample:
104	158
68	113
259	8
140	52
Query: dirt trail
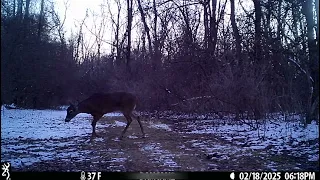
159	151
167	147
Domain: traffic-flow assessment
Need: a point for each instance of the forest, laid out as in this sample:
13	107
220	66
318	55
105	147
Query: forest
249	58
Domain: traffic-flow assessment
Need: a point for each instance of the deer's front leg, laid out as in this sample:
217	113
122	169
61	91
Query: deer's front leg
94	134
94	122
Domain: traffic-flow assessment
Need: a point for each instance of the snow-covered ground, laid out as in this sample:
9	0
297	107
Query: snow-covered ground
161	156
45	124
159	126
289	138
30	136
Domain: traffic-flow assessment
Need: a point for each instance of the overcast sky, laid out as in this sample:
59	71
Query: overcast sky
77	10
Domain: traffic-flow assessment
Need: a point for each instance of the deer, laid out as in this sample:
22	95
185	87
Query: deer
99	104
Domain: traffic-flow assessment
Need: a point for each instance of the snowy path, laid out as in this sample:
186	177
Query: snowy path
34	139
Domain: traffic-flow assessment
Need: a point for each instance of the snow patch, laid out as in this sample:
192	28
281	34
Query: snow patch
164	157
160	126
119	124
118	160
313	157
132	137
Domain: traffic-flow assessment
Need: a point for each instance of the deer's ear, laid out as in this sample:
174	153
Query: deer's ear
69	101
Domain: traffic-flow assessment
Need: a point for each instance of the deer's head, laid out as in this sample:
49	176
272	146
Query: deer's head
72	111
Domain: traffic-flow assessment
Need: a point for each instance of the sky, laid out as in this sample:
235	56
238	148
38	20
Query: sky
76	12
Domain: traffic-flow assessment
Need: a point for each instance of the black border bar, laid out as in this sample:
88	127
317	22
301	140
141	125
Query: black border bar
133	175
121	175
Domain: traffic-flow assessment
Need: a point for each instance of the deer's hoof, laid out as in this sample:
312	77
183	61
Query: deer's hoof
95	135
91	139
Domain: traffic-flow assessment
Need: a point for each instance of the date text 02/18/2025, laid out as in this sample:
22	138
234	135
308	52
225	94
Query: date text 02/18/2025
277	176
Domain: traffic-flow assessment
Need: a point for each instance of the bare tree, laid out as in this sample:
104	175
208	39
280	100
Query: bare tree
98	29
26	14
313	68
58	23
19	13
235	30
129	29
40	19
257	28
80	39
146	27
116	46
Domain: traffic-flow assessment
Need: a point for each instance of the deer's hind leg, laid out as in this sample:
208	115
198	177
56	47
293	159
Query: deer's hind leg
129	120
140	124
94	122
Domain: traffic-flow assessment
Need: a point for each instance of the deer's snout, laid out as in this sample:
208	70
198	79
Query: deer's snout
67	120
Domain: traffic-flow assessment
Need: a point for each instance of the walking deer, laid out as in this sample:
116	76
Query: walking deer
102	103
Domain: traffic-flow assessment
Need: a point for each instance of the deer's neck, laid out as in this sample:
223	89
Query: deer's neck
82	108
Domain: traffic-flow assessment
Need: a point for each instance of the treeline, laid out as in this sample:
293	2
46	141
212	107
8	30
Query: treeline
194	56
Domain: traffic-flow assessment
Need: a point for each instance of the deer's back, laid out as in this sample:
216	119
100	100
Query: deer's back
109	102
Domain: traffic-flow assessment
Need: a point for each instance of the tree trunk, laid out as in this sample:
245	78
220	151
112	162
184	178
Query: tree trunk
14	8
19	13
156	53
129	8
313	66
295	12
213	28
117	34
317	16
235	30
26	14
146	28
40	19
206	23
279	20
257	26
